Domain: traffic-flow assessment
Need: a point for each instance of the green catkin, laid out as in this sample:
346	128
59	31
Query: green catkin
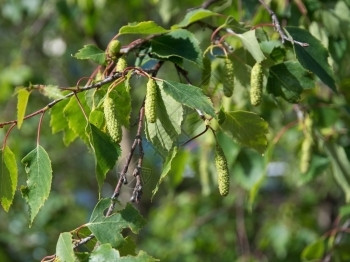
306	147
222	170
113	49
229	77
113	126
121	64
150	102
206	71
256	84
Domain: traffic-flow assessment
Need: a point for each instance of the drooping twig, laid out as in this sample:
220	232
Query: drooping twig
39	127
278	27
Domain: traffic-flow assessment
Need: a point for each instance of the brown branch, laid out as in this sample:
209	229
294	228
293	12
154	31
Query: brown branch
7	135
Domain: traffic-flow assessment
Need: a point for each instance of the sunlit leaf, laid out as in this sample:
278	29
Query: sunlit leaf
104	252
64	248
108	229
38	167
166	169
247	128
194	16
143	28
188	95
8	177
313	57
22	101
93	53
250	42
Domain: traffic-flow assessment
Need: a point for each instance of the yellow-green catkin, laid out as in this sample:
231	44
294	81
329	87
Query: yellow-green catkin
113	126
222	171
121	64
228	77
256	84
113	49
150	102
306	147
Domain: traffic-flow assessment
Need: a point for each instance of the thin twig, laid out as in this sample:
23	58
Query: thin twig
7	134
39	127
278	27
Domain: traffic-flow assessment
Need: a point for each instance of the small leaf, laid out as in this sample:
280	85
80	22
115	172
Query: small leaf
247	128
179	43
143	28
189	95
314	251
313	57
8	177
38	167
104	252
250	42
122	99
75	117
108	229
288	80
22	101
64	248
93	53
164	132
194	16
105	150
166	169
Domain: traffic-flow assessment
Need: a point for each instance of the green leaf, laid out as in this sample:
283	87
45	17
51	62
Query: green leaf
75	117
104	252
194	16
8	177
314	57
164	132
108	229
314	251
141	257
38	167
22	101
247	128
105	150
288	80
177	44
250	42
341	167
51	91
143	28
97	118
166	169
188	95
93	53
64	248
58	122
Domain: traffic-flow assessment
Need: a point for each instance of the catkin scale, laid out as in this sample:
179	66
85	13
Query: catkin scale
113	126
121	64
113	49
256	84
229	77
222	171
306	147
306	150
150	102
